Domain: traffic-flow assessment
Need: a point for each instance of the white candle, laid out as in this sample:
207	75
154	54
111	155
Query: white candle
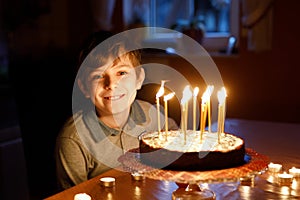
82	196
295	172
195	94
107	181
183	123
158	95
186	105
221	111
166	98
186	95
274	168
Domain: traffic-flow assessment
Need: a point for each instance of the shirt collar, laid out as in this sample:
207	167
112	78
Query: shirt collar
99	130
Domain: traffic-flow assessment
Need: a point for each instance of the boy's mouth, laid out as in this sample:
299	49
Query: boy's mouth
115	97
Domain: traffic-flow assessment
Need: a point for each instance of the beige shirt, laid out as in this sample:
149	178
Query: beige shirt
86	147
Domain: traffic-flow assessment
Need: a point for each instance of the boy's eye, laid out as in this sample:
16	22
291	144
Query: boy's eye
122	73
97	77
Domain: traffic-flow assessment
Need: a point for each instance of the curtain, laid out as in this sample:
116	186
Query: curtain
257	21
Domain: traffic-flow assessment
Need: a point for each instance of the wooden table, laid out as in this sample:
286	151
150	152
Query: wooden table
279	141
125	188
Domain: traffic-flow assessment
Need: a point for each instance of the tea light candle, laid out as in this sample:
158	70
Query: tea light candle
274	168
295	172
285	179
107	181
137	176
248	180
82	196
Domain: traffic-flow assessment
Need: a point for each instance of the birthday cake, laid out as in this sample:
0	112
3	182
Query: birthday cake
191	151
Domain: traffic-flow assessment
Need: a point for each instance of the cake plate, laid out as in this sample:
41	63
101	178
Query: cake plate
189	181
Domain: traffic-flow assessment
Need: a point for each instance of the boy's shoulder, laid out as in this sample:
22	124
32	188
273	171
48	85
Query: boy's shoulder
70	127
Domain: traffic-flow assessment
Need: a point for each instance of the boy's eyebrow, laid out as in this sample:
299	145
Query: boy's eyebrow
121	65
98	70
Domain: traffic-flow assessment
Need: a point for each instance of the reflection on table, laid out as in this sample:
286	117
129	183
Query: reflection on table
279	141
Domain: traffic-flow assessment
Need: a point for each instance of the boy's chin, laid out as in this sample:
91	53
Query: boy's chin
116	111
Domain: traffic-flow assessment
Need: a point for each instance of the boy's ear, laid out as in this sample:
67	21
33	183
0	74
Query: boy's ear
83	89
140	78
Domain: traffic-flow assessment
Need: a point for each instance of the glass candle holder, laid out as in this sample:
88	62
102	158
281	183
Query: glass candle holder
137	176
295	172
274	168
285	179
248	181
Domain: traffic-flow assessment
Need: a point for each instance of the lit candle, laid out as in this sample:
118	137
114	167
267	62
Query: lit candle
107	181
285	179
210	89
158	95
187	94
166	98
221	111
82	196
274	168
205	98
195	94
183	113
295	172
137	176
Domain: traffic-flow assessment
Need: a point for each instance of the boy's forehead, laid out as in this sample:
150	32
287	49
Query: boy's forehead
123	61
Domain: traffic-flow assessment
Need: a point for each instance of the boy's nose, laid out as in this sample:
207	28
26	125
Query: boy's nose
110	82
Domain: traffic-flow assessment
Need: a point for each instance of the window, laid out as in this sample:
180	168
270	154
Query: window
219	19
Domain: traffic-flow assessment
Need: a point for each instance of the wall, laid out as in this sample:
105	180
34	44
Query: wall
264	86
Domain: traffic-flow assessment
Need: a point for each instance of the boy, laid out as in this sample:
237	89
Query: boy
110	121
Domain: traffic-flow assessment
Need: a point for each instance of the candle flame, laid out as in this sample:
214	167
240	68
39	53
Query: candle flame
210	89
196	91
186	94
206	95
169	96
222	95
161	90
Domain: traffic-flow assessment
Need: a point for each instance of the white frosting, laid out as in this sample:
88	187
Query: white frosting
176	142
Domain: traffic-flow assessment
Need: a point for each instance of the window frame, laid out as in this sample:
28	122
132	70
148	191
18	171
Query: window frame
212	41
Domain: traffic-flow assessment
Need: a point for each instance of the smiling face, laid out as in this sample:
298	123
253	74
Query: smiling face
112	87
